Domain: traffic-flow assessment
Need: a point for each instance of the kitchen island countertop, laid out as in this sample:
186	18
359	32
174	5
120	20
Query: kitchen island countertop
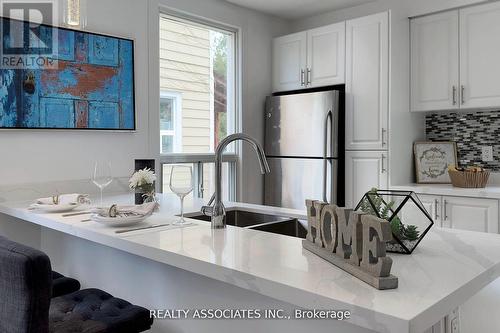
447	268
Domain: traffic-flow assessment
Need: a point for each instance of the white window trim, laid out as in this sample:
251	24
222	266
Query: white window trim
177	131
212	101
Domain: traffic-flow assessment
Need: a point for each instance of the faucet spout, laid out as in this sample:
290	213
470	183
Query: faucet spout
217	211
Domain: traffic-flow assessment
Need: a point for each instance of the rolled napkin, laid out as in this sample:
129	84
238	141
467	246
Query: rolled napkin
65	199
145	209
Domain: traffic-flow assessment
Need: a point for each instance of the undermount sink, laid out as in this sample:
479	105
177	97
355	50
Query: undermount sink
276	224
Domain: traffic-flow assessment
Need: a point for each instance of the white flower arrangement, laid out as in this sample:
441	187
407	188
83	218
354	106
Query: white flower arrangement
143	179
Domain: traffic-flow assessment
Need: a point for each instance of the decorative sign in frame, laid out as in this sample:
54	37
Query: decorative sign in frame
353	241
432	160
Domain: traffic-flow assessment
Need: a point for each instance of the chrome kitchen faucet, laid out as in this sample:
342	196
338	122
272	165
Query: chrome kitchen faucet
217	212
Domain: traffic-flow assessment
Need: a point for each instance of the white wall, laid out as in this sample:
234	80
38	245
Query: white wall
41	156
404	127
36	156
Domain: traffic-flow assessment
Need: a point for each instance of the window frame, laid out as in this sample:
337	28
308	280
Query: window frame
176	132
234	118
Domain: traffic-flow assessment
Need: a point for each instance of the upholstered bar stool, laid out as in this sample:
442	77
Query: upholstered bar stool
62	285
26	305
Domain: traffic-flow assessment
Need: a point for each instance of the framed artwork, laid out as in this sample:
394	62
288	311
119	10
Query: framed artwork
432	160
87	83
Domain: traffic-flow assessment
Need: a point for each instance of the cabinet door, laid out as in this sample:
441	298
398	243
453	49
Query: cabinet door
364	171
434	62
326	55
367	82
289	62
432	205
470	214
479	55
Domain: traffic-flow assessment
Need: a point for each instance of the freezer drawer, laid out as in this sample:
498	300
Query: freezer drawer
295	125
293	180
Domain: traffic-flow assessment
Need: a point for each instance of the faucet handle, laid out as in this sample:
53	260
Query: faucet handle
212	199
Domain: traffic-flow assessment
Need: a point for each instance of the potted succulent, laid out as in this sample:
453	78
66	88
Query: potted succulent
382	204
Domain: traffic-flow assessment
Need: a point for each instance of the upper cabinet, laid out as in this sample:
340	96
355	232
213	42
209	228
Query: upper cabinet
367	82
434	62
326	55
480	55
309	59
454	59
289	62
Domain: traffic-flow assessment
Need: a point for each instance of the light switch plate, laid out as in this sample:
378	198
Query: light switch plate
487	153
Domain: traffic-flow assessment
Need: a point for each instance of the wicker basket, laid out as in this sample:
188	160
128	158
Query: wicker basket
469	179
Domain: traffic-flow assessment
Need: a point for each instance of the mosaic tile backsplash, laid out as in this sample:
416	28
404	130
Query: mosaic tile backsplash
470	131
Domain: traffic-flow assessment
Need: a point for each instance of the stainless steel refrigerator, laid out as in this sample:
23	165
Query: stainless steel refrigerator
304	145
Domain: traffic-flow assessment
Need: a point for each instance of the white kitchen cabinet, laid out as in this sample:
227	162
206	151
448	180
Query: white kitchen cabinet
454	59
326	55
470	214
364	170
367	82
309	59
289	62
434	62
479	55
459	212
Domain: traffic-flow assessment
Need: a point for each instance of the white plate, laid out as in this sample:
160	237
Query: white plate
118	221
54	208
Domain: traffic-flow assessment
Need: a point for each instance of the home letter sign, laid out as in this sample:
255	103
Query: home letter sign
353	241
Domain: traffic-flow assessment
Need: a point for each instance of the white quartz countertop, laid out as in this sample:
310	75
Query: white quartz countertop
489	192
447	268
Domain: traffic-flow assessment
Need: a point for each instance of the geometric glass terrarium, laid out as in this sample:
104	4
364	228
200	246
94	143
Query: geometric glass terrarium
409	219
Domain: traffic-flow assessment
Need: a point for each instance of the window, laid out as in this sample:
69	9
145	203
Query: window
197	99
196	65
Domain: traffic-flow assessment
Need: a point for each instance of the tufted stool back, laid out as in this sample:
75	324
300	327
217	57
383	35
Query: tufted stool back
25	288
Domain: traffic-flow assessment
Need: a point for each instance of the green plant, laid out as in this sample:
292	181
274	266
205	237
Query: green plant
397	227
411	233
385	211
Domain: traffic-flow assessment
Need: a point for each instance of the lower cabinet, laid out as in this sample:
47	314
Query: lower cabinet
470	214
462	212
364	170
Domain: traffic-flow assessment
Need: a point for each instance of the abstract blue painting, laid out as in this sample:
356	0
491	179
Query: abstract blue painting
92	86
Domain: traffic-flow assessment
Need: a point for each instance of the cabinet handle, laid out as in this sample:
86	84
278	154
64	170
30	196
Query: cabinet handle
445	203
462	94
384	131
454	95
302	79
383	164
308	76
436	203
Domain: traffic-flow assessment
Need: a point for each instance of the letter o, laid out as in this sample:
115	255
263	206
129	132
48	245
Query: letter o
328	227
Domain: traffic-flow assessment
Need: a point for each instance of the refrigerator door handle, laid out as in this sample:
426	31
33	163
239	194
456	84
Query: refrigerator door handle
328	124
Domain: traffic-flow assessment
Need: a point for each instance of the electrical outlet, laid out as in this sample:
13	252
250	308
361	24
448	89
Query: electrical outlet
487	152
454	326
451	323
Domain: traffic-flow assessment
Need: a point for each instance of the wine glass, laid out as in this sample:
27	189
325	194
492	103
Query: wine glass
181	183
102	176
